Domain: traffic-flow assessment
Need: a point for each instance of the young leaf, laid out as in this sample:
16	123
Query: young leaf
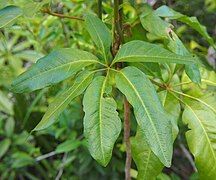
201	137
140	51
148	164
99	32
64	98
148	110
101	122
193	22
9	14
53	68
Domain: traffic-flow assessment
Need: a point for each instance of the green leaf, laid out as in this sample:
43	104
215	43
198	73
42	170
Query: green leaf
175	45
5	104
148	164
8	14
140	51
9	127
172	107
149	68
102	125
99	33
64	98
148	110
4	146
193	22
201	137
21	159
162	30
53	68
67	146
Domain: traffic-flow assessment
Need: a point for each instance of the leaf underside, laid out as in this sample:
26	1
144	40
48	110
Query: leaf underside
102	125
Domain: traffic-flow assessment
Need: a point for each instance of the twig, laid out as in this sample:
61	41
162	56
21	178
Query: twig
100	9
47	11
58	177
45	156
188	156
127	139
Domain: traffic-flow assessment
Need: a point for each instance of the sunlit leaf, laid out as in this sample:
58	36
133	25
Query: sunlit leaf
201	137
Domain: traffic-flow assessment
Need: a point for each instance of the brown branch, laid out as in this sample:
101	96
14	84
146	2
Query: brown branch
127	139
47	11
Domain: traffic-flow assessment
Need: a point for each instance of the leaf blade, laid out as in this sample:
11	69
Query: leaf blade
134	84
140	51
101	122
165	11
53	68
63	99
99	33
9	14
148	164
201	137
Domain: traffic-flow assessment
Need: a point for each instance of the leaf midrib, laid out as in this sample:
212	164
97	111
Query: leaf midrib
58	67
67	97
146	113
145	56
100	115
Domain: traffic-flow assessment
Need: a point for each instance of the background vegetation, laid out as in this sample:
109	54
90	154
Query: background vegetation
60	151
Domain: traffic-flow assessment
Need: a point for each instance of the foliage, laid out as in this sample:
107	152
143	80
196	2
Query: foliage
85	66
